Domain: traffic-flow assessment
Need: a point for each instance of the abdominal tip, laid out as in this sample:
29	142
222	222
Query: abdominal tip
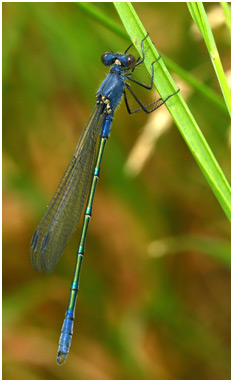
61	357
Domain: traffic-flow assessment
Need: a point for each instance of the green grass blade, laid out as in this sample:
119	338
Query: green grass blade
227	13
199	16
178	108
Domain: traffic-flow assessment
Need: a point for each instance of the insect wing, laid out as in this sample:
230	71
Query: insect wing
62	215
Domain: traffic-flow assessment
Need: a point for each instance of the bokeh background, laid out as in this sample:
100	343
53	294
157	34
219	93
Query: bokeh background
154	300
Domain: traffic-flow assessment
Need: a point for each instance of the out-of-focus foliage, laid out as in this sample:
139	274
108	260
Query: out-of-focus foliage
138	316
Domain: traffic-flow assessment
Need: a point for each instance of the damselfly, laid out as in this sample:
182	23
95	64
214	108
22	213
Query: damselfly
62	215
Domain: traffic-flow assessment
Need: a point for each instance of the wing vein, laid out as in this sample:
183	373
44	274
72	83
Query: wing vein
62	215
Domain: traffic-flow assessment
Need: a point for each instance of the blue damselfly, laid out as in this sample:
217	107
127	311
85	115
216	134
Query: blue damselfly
62	215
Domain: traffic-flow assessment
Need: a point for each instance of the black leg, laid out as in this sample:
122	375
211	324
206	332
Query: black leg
139	60
141	108
149	87
128	48
143	51
134	67
126	103
159	102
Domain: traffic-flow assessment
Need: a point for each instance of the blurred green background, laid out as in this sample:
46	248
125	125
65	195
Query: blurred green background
154	300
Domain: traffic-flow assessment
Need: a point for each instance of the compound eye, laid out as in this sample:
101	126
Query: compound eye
104	58
131	61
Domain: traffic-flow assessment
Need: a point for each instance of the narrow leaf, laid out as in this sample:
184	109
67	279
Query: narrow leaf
178	108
